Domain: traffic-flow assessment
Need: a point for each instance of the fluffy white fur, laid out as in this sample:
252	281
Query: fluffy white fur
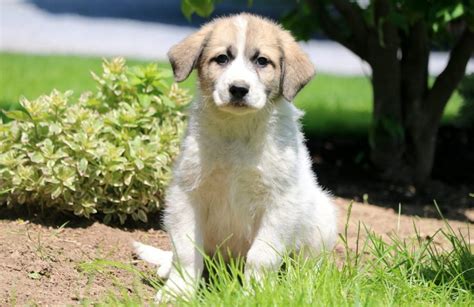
242	184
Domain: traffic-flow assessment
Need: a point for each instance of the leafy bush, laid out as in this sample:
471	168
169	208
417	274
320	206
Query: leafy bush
109	152
466	113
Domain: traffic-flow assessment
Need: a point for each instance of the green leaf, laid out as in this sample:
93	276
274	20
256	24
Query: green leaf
458	11
168	102
201	7
88	204
54	129
187	9
107	218
56	192
139	164
142	216
450	13
21	198
17	115
36	157
82	166
144	100
122	218
128	178
47	147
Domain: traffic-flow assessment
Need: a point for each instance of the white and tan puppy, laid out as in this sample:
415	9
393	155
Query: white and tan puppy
243	182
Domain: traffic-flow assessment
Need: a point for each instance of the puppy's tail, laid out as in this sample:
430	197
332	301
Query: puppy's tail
162	259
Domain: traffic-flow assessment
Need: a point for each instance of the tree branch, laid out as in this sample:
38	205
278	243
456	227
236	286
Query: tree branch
356	22
452	74
332	28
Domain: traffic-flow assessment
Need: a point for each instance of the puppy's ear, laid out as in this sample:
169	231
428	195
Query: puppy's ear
297	69
184	55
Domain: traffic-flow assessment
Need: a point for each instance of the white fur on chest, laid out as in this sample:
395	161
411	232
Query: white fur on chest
233	180
230	204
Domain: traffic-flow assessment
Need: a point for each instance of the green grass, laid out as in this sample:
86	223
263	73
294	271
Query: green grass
377	273
34	75
333	104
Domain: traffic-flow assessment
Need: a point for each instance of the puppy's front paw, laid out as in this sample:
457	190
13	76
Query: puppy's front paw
163	296
162	259
254	275
173	289
164	270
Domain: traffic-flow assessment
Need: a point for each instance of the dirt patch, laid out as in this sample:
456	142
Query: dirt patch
387	223
45	264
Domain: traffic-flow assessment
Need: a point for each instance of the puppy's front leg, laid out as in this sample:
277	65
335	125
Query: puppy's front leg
186	238
265	254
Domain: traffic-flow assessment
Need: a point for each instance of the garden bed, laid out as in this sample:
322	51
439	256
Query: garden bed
49	265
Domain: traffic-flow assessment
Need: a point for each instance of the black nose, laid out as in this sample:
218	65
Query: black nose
238	91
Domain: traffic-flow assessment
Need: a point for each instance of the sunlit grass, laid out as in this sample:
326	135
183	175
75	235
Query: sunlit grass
378	272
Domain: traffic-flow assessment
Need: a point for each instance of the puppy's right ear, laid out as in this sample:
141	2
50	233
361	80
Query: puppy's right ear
184	55
297	67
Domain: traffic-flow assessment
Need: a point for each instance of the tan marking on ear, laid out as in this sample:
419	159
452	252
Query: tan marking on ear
297	68
185	55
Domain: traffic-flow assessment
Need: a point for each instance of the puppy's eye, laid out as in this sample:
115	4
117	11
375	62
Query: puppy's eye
222	59
262	61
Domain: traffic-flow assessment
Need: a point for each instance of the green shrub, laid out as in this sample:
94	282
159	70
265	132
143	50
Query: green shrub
110	152
466	90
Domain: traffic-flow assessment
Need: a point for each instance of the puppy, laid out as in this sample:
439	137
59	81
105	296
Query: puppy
243	183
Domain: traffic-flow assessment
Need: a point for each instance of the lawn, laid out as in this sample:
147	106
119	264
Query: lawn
333	104
393	272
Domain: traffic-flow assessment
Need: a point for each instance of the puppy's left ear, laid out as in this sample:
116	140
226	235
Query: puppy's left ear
297	68
185	55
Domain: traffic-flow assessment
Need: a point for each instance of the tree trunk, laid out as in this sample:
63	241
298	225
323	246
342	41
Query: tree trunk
420	136
407	112
386	135
420	156
425	106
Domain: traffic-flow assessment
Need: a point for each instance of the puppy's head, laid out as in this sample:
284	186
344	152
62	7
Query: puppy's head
243	63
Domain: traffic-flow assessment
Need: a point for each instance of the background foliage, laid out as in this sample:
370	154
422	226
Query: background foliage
109	152
395	38
466	90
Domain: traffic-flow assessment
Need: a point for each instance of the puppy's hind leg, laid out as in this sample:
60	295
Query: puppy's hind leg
162	259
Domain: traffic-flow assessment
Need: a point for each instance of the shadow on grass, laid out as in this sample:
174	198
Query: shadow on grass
342	164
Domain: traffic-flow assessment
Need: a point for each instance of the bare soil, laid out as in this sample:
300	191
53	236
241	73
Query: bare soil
46	259
44	264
